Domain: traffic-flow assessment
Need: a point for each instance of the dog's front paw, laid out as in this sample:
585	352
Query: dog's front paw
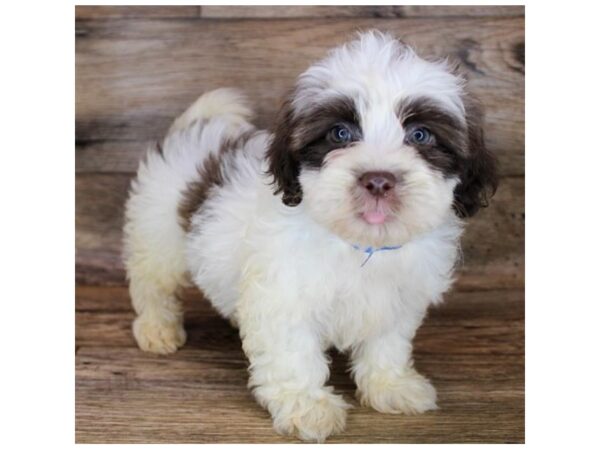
157	335
311	416
393	393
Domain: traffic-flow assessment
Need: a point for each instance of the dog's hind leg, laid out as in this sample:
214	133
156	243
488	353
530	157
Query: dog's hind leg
155	263
154	236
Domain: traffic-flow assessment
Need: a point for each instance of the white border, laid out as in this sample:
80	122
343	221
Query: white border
37	186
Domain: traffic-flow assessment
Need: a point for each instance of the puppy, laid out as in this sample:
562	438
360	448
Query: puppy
339	229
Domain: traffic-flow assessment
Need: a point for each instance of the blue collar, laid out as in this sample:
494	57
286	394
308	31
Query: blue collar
370	250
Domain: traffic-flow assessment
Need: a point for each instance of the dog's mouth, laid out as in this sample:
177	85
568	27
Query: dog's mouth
374	217
376	211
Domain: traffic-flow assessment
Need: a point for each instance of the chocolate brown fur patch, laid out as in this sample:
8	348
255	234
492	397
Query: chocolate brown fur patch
210	174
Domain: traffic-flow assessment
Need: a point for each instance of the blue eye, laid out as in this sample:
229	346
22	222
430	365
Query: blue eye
340	134
420	136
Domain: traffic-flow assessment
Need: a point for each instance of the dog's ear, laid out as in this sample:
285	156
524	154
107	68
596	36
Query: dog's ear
478	176
283	163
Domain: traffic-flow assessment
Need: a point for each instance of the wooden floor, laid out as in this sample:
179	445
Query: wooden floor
471	348
137	68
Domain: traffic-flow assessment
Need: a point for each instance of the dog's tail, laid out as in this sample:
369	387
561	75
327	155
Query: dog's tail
228	103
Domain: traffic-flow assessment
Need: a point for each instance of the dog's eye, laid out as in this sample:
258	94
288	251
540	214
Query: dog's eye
340	134
420	136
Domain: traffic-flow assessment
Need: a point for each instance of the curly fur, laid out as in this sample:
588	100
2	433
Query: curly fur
267	226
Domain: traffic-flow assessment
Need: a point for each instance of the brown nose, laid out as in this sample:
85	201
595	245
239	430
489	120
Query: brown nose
377	183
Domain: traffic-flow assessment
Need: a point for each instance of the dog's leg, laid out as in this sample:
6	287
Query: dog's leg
288	366
158	327
154	233
155	262
386	379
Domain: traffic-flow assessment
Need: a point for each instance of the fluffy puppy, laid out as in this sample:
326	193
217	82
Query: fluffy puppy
338	229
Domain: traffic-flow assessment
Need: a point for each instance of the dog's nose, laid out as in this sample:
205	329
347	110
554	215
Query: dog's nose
377	183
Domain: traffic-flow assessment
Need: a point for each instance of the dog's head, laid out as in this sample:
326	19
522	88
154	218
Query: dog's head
381	145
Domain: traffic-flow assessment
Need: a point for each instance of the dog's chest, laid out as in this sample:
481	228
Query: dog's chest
370	298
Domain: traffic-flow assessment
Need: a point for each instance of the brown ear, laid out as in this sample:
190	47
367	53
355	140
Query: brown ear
283	164
478	177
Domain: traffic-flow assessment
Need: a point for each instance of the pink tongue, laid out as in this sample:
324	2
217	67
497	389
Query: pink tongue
374	217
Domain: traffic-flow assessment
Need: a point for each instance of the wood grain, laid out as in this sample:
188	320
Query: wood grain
493	243
135	12
137	67
133	77
338	11
291	11
481	319
471	348
501	304
213	333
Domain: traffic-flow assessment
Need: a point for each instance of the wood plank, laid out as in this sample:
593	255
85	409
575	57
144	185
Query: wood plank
339	11
110	156
213	332
99	205
493	244
467	323
87	12
506	305
106	311
125	395
128	367
204	416
494	241
133	77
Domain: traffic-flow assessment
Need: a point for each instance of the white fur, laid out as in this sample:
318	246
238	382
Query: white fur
290	277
